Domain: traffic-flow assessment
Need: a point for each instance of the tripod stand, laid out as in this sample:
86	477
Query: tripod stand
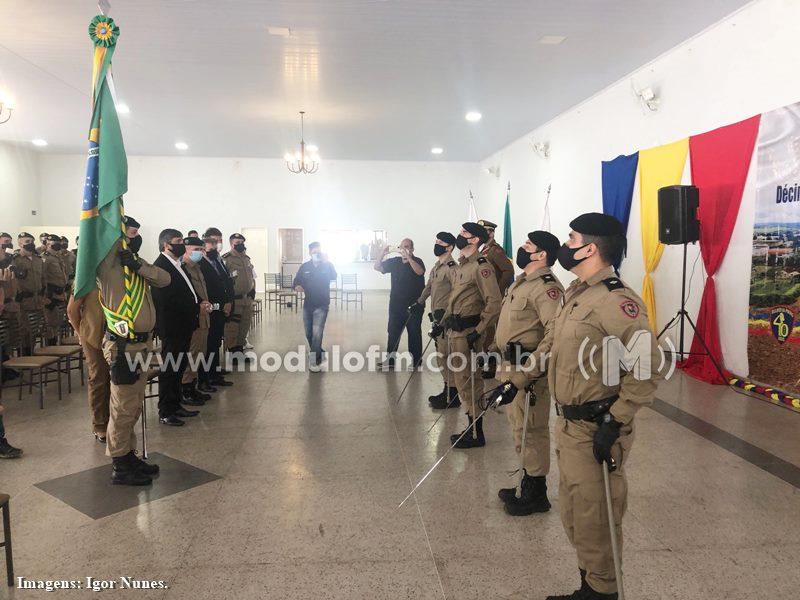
682	315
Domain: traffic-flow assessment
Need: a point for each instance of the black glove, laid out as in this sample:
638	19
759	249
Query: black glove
436	330
128	259
604	439
416	308
252	294
499	396
489	367
472	337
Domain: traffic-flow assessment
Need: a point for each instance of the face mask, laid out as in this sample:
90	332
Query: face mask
8	246
196	256
523	257
178	249
29	247
461	242
134	244
239	247
55	247
212	254
566	257
439	250
316	257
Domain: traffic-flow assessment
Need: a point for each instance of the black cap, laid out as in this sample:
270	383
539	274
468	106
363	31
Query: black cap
64	239
129	221
51	237
546	241
487	224
598	224
192	241
237	236
446	237
4	234
477	230
24	234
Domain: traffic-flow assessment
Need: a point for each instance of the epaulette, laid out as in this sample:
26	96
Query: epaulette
613	283
482	260
226	255
452	263
16	252
548	278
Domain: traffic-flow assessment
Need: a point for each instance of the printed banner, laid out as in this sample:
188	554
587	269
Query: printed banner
774	332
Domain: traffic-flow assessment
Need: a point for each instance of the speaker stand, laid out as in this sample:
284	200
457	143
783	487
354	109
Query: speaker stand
682	316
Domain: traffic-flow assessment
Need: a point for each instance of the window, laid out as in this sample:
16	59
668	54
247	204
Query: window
353	245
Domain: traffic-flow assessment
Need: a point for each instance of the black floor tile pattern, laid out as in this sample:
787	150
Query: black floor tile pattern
92	493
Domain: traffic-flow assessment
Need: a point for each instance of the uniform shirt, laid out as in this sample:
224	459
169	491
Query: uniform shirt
529	305
241	271
111	279
9	287
475	292
29	280
504	270
599	307
93	321
54	275
440	284
406	284
68	262
315	279
199	283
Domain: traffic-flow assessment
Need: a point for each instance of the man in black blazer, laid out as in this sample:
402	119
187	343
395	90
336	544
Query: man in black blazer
220	291
177	310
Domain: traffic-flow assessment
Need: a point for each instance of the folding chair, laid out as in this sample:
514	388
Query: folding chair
352	294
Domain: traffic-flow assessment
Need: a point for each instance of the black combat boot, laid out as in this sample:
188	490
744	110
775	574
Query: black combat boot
585	593
438	397
506	494
206	387
126	472
7	450
144	467
196	393
445	401
468	441
532	500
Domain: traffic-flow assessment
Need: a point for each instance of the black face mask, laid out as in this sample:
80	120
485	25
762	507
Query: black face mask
462	242
178	249
523	257
29	247
566	257
134	244
439	250
212	254
8	246
56	247
239	247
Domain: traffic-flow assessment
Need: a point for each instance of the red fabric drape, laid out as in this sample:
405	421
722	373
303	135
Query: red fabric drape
720	160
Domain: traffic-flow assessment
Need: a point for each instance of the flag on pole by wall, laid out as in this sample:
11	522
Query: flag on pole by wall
472	214
507	243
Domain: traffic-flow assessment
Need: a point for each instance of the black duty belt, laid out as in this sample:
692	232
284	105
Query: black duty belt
459	323
55	289
138	338
588	411
516	354
23	295
436	315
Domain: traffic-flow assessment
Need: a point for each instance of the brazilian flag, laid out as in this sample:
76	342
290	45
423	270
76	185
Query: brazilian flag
508	244
106	166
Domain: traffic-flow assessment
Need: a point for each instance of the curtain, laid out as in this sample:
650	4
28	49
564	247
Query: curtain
720	160
658	167
619	176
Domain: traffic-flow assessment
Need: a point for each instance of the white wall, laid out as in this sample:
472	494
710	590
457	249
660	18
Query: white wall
740	67
408	199
19	188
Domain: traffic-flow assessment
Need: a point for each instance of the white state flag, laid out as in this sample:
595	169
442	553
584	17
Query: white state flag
472	214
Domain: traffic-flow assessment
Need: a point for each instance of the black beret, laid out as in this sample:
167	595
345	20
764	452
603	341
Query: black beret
4	234
24	234
598	224
447	237
477	230
129	221
546	241
237	236
64	238
53	238
487	224
192	241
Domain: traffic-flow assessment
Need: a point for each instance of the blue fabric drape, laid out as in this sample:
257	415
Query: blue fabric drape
619	176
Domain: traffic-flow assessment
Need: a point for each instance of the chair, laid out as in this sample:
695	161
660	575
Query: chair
272	287
41	366
335	292
64	352
287	296
351	294
4	505
258	305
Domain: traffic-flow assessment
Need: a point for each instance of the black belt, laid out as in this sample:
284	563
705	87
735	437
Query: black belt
55	289
588	411
23	295
516	354
138	338
459	323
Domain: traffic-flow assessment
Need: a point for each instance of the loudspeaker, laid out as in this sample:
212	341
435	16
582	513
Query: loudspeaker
677	214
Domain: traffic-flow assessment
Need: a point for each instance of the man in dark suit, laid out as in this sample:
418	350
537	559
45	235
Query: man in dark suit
220	290
177	310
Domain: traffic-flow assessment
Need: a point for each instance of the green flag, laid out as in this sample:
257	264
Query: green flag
507	243
106	165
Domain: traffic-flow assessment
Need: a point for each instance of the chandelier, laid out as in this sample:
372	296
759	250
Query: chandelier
5	111
302	161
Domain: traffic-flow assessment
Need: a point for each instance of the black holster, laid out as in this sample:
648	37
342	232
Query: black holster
122	372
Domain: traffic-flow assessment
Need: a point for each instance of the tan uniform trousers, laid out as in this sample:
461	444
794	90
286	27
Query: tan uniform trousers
197	352
441	349
24	325
536	454
581	495
465	379
99	388
238	323
125	406
54	318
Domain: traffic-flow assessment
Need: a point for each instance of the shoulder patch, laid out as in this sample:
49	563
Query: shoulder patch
613	283
630	309
548	278
226	255
554	293
482	260
486	273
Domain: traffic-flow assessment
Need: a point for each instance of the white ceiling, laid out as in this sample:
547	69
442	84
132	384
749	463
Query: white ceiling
380	79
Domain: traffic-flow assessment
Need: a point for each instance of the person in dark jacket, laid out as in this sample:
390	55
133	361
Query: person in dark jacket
220	291
314	278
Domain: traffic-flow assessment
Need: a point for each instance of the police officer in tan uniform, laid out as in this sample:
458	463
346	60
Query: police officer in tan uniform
241	271
596	410
440	283
195	251
9	305
528	307
123	349
29	275
494	253
68	261
55	284
42	243
472	309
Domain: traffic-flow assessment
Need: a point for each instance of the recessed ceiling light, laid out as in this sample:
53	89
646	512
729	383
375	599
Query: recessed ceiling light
552	40
473	116
123	108
280	31
437	150
181	145
38	142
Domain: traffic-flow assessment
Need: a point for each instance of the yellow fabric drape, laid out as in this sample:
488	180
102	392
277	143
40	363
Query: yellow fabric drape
658	167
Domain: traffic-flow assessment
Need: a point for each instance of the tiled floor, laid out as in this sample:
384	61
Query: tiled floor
313	466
